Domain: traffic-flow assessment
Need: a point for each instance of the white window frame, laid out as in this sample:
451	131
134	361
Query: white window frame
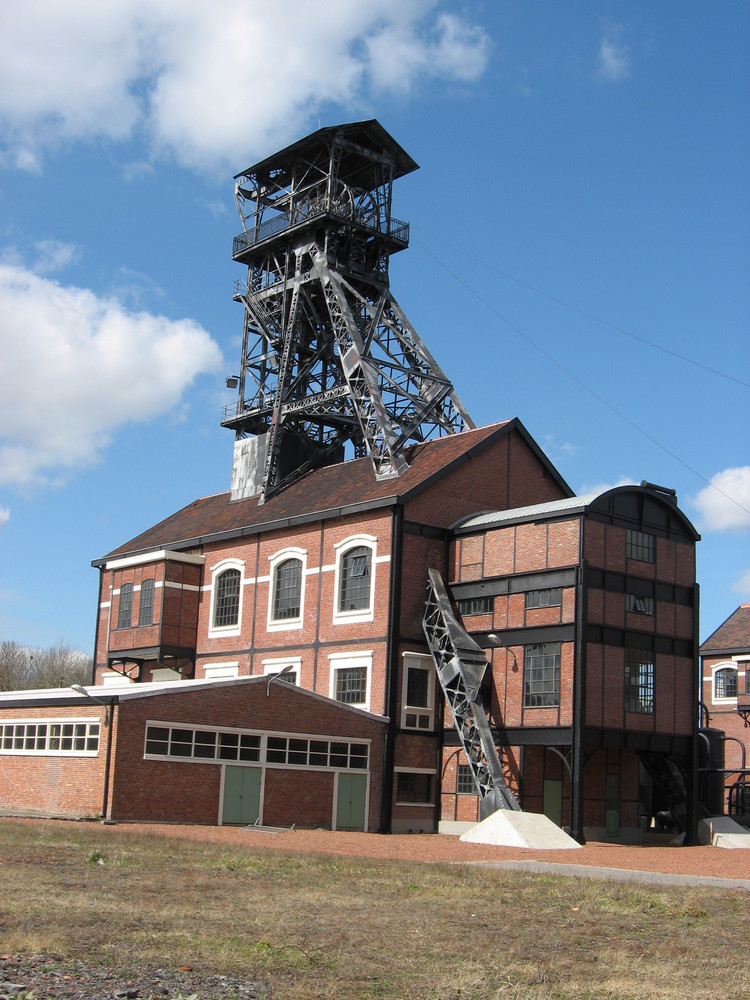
359	614
353	661
418	661
221	671
286	624
726	664
218	631
277	664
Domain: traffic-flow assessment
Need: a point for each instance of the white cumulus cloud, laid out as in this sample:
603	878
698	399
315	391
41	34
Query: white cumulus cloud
724	505
210	84
4	515
75	367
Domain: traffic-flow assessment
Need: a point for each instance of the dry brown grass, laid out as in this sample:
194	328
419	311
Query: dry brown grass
346	928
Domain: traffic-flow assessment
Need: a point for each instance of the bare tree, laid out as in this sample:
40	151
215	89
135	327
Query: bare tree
58	666
15	667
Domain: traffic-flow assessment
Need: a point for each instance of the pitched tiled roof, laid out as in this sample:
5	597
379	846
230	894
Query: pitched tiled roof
731	637
345	487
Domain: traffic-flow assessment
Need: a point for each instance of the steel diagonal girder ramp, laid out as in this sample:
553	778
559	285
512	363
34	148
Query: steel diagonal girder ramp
361	376
460	664
408	374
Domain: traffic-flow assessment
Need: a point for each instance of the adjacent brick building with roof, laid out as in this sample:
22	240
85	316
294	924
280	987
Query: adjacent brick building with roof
725	698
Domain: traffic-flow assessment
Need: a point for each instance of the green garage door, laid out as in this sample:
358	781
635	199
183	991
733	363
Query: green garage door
351	801
241	795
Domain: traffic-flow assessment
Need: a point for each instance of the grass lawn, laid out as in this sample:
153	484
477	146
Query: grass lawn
352	928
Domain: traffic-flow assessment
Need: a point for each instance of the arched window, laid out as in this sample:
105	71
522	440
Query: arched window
725	683
355	578
125	614
287	590
226	599
146	607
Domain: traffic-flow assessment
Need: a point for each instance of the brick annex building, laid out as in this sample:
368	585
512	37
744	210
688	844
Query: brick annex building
269	654
725	713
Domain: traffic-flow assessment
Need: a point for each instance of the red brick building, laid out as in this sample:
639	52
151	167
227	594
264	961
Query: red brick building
585	608
725	704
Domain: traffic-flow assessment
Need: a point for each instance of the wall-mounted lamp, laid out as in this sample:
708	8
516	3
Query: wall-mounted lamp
495	640
275	677
80	689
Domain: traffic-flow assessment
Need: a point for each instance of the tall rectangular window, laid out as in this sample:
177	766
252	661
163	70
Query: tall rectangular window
354	586
351	685
465	781
125	614
639	681
227	606
541	675
146	607
287	590
417	693
640	545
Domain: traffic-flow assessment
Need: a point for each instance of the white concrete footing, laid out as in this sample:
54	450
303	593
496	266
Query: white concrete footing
507	828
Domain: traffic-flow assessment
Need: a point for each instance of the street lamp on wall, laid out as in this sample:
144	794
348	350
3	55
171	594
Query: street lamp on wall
80	689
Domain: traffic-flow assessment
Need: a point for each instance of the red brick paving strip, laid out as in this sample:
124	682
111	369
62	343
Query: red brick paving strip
715	862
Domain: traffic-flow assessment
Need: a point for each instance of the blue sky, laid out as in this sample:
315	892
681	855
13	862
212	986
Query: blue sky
579	249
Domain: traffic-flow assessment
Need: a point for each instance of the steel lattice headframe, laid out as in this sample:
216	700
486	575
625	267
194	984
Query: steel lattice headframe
328	356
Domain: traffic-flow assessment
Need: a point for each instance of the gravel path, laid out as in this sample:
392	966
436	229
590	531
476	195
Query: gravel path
50	979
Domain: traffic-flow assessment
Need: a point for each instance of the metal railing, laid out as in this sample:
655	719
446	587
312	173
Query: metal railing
397	229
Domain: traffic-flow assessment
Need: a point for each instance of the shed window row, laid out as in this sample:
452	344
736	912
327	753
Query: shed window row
49	737
221	745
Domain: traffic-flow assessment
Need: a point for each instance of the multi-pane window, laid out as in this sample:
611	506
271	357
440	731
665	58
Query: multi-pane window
146	607
641	605
354	583
474	606
351	685
50	737
639	681
217	745
640	545
541	675
549	598
125	614
287	590
417	710
415	787
725	683
465	781
227	598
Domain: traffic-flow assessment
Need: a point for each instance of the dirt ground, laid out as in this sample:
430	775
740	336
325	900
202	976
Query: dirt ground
715	862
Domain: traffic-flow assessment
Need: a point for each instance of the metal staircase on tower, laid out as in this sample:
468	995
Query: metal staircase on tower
330	366
460	665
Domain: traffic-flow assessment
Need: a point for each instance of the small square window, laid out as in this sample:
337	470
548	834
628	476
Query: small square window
640	545
414	787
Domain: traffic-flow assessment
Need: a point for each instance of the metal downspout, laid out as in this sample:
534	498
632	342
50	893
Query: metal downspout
110	728
391	655
579	698
691	824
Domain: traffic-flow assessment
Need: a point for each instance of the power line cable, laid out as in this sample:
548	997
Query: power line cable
584	312
580	381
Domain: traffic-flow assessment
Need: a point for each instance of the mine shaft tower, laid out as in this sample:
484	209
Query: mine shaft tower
328	357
